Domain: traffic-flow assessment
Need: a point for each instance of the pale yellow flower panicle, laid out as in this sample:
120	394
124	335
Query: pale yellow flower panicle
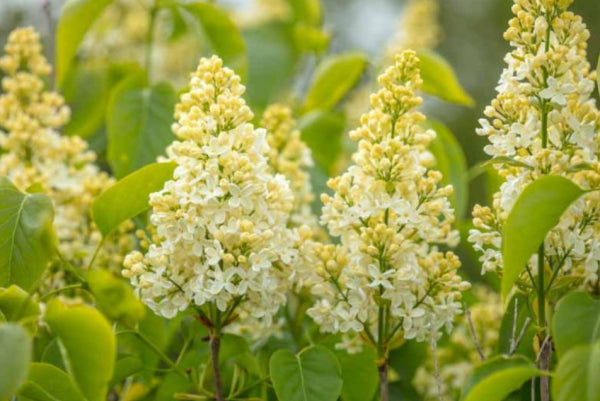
222	241
390	215
289	156
458	356
545	120
34	153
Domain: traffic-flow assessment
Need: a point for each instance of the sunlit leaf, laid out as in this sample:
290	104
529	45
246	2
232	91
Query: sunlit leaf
440	80
46	382
334	77
535	213
18	306
114	297
496	378
87	344
312	375
26	235
129	196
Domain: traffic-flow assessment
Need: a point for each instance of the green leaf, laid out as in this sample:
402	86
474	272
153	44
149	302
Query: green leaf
46	382
129	197
535	213
440	80
114	297
452	163
576	376
87	90
16	305
359	374
312	375
496	378
26	236
15	355
576	322
222	33
334	77
76	18
138	124
87	344
322	132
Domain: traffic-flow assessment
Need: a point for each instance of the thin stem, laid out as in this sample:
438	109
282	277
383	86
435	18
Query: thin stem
474	334
541	292
383	380
215	345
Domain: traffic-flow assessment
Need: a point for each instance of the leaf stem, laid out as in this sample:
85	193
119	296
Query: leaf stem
215	345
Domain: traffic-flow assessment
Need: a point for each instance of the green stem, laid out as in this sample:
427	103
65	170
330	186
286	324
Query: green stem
215	346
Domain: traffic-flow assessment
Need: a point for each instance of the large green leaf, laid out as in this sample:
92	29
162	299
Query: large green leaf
359	374
576	376
322	132
312	375
535	213
496	378
46	382
307	11
575	322
129	197
87	344
272	62
76	18
26	235
15	355
334	77
452	163
138	123
87	91
222	33
114	297
440	80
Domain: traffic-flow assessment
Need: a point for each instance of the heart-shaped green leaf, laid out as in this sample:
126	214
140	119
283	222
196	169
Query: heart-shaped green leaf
576	322
221	32
26	235
138	124
537	210
312	375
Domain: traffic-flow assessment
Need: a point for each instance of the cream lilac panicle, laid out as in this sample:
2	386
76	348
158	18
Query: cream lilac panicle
391	216
546	87
34	153
221	240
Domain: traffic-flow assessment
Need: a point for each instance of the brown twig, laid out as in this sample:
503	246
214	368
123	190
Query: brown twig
215	345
